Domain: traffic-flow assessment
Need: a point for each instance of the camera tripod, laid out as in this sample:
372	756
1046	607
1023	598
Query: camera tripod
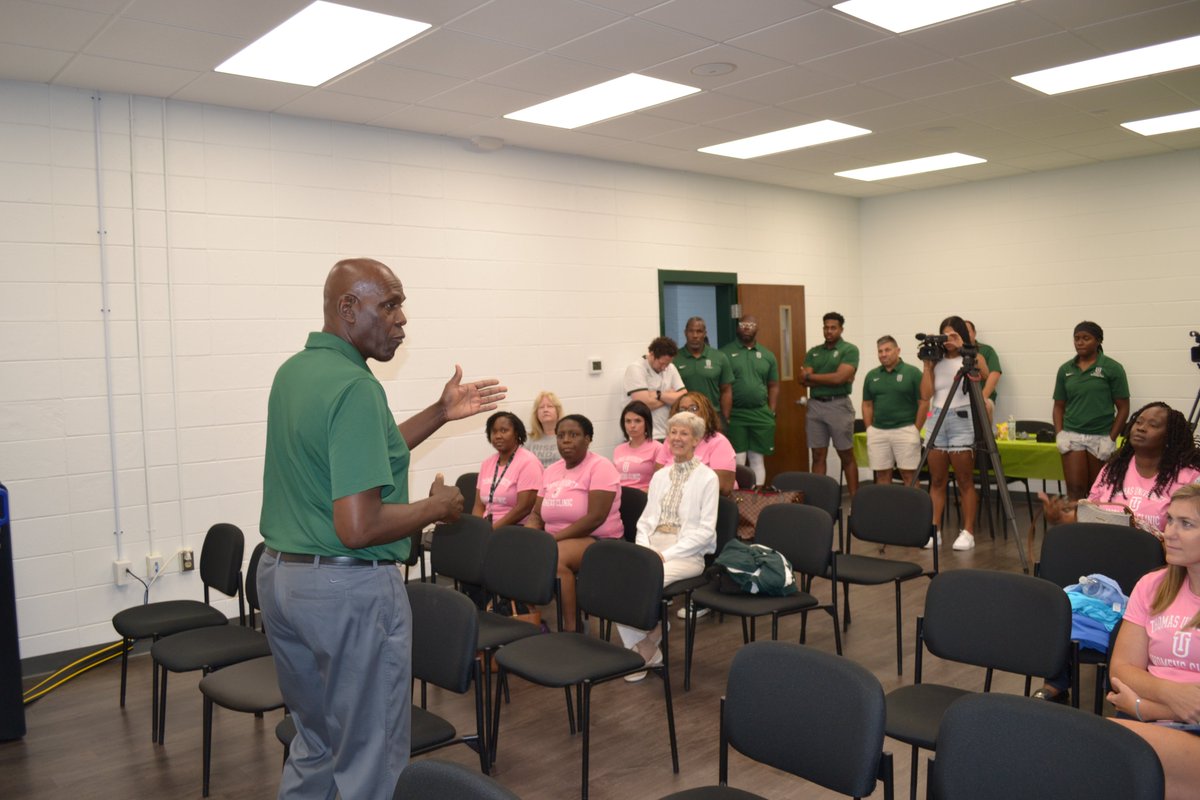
984	440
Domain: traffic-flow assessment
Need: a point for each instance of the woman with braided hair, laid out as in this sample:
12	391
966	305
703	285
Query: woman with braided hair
1157	457
1091	404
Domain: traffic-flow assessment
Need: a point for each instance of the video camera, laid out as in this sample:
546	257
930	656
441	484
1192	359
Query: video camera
933	347
1195	350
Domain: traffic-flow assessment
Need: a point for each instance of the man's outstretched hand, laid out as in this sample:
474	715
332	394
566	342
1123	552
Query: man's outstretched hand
460	400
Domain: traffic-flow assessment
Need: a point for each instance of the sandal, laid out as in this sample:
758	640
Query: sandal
1052	695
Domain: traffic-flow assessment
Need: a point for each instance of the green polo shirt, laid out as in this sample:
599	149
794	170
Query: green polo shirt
705	373
992	360
753	368
330	434
895	395
1090	394
825	360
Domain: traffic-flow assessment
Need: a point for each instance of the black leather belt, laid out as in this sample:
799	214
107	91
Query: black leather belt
331	561
828	399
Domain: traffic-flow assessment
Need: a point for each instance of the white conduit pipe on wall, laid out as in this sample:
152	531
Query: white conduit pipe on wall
105	316
137	319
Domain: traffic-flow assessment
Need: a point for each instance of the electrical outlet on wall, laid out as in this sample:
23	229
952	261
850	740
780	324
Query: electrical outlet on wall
187	561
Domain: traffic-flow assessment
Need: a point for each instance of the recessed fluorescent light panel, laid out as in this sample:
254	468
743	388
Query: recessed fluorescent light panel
606	100
912	167
1125	66
787	139
899	16
1168	124
321	42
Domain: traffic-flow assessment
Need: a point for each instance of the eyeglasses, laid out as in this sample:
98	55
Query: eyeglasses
747	325
693	409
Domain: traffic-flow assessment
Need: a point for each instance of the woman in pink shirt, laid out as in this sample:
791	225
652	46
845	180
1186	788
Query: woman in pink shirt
1156	660
579	502
634	458
1157	457
714	450
509	480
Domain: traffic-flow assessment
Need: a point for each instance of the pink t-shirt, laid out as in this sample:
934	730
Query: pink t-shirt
715	452
635	465
521	474
1136	493
564	494
1174	649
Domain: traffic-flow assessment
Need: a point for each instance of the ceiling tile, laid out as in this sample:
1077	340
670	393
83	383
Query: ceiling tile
893	117
429	120
247	21
990	95
1123	102
875	60
1186	83
238	91
1072	13
784	85
34	64
530	23
1032	55
1146	28
551	76
1130	148
43	25
635	127
394	84
763	120
747	65
323	104
631	46
720	20
807	37
693	137
460	55
704	107
112	75
1053	160
996	27
841	102
482	100
150	43
947	76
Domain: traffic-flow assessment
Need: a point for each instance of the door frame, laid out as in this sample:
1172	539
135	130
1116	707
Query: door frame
727	296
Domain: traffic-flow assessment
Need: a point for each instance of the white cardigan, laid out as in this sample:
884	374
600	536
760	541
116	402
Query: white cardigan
697	512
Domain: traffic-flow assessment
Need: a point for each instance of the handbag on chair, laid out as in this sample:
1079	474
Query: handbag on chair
751	502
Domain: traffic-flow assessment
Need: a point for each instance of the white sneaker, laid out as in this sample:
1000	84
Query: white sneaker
655	661
929	544
965	541
682	612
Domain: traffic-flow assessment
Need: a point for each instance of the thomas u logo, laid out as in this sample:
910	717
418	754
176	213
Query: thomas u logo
1181	644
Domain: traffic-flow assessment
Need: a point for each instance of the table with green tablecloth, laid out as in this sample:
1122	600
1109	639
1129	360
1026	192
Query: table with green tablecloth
1021	458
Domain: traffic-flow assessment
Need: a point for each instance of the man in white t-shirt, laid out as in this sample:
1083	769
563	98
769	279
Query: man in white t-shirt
654	380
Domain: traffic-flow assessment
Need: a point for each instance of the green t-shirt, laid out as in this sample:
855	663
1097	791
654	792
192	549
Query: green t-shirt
825	360
705	373
992	360
895	395
330	434
1090	394
753	368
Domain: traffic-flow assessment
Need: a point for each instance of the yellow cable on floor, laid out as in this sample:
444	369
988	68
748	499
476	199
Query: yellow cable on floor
29	694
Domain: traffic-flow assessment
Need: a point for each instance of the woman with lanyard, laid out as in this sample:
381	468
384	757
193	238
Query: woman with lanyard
509	480
1091	404
679	523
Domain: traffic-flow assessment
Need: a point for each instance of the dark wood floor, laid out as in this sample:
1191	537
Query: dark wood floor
81	745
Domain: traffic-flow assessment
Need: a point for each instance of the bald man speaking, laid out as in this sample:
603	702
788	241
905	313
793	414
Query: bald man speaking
336	518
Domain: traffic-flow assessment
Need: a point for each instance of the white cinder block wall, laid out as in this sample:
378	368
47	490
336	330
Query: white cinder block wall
221	226
1027	258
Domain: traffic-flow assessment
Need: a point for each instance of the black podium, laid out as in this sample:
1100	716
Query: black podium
12	709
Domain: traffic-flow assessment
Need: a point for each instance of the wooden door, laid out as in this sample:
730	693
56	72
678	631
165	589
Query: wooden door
780	312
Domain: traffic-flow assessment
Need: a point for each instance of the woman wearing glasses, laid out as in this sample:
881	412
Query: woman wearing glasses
713	450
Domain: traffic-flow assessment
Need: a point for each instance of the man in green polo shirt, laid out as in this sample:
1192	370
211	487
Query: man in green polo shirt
336	518
992	359
828	371
893	413
705	369
755	394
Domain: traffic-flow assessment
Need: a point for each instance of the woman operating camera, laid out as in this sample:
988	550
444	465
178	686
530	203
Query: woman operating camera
955	441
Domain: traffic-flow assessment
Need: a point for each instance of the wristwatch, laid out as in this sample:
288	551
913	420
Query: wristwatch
658	394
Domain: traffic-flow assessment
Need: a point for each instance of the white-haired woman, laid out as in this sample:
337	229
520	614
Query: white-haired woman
679	523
